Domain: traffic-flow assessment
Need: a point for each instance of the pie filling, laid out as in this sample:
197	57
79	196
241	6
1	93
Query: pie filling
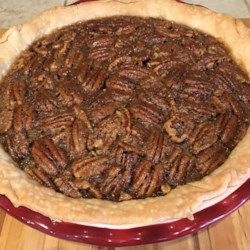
123	108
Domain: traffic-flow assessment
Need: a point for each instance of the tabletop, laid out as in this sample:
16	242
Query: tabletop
232	233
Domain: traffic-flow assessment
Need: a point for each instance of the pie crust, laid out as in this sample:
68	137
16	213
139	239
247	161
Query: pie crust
180	202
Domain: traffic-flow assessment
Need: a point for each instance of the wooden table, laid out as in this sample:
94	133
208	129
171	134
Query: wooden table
233	233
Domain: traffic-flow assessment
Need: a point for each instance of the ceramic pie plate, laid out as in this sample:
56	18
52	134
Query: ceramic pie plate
133	236
125	235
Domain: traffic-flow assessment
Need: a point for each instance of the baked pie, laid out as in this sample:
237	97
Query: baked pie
124	112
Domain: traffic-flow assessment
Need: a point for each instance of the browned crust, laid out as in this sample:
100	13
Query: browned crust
180	202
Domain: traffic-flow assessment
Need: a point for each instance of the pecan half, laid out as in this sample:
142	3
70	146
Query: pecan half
101	54
105	134
48	157
23	118
147	179
120	96
69	94
147	113
94	80
227	103
115	181
210	159
201	110
136	136
55	123
74	58
89	189
155	146
151	82
125	30
89	166
133	73
120	84
67	187
126	154
15	93
125	119
196	87
179	127
79	134
176	166
45	101
102	41
203	137
157	97
18	145
80	114
101	111
37	174
174	76
228	127
118	62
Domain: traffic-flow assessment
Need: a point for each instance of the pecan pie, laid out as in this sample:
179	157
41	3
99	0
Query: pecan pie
118	113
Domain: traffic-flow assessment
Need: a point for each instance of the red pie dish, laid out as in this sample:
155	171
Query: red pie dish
124	122
129	237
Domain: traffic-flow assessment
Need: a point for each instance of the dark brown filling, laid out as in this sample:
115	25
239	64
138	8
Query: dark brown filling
123	108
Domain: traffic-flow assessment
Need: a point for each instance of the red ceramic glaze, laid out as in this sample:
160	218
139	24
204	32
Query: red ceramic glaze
134	236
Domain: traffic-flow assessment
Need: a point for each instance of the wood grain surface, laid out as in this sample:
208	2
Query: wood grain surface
232	233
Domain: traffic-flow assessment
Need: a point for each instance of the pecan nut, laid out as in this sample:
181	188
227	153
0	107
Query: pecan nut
148	114
155	147
176	166
78	138
23	118
94	80
115	181
121	85
118	62
69	94
203	137
15	93
127	155
37	174
102	41
147	179
18	145
56	123
88	188
90	166
228	128
81	115
100	112
210	159
227	103
101	54
133	73
105	134
46	101
67	187
179	127
48	157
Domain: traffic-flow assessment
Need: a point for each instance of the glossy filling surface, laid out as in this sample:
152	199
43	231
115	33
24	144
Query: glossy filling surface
123	108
